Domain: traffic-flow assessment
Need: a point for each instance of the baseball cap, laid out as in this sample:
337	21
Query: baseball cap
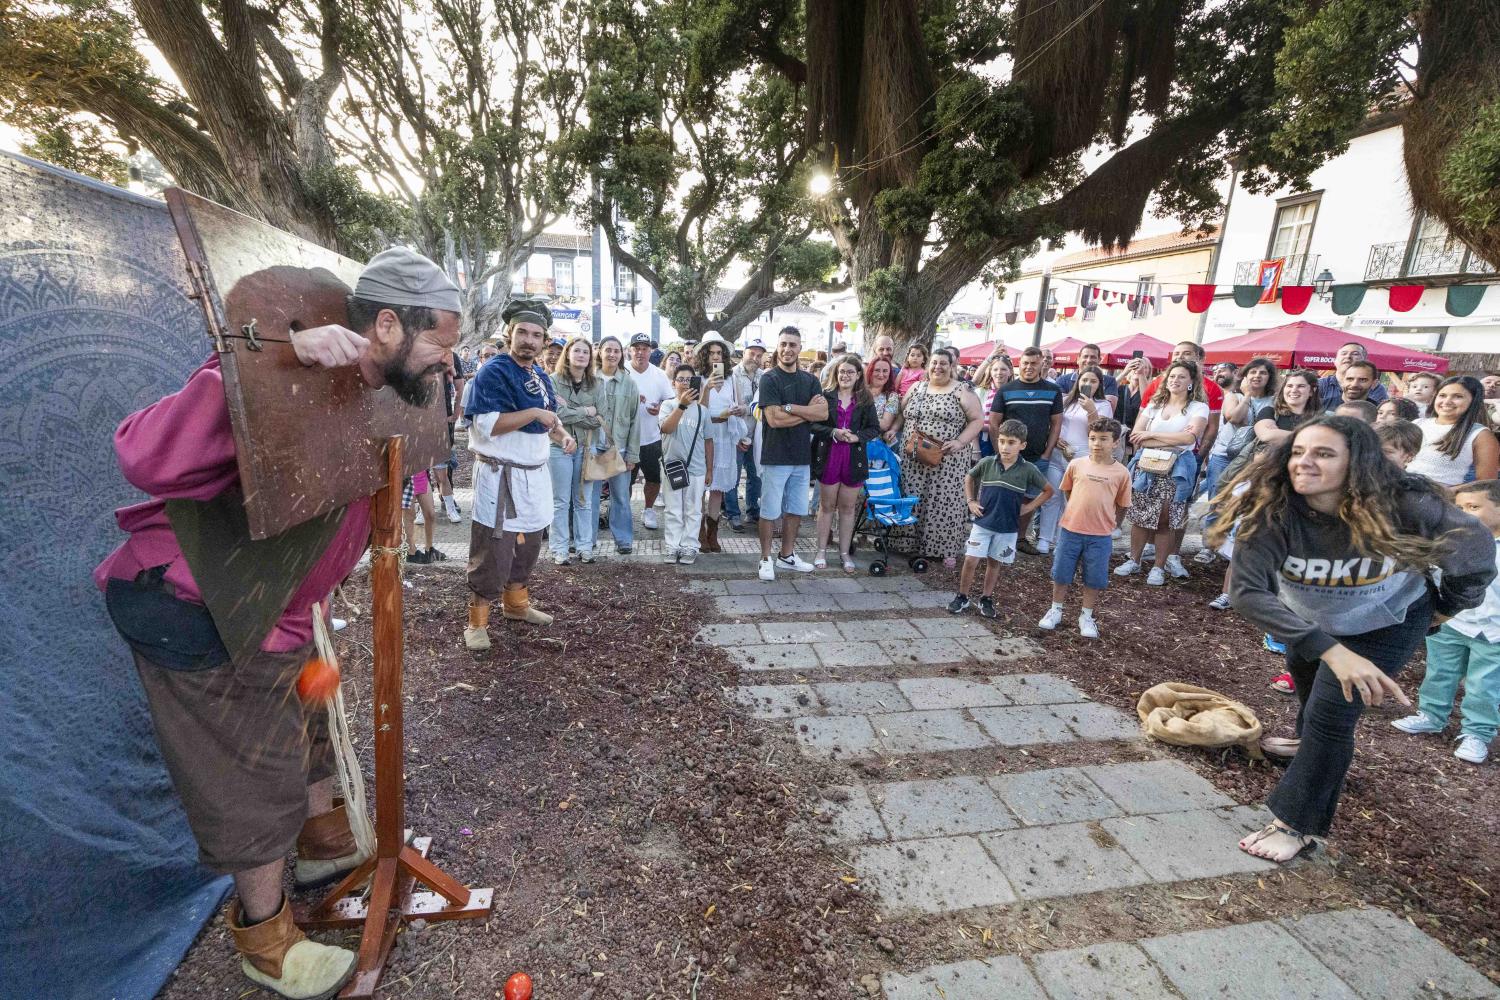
559	342
640	338
755	342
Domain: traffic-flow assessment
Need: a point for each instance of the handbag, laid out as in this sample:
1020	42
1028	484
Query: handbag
1157	461
675	469
602	463
927	450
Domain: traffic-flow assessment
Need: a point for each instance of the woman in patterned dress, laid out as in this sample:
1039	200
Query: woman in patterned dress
942	409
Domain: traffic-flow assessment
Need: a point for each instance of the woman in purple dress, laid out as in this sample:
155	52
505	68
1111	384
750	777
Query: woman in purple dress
839	463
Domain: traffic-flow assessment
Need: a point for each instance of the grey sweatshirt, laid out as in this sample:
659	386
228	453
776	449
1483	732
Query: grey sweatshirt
1300	579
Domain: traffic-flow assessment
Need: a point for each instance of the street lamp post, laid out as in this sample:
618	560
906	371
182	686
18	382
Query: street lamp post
1041	307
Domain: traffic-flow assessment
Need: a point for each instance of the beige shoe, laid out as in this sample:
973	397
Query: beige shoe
516	605
276	955
325	850
476	634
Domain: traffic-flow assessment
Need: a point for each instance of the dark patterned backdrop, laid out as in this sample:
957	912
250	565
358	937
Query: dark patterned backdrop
101	889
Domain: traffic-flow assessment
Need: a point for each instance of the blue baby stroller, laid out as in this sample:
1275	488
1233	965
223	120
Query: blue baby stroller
885	507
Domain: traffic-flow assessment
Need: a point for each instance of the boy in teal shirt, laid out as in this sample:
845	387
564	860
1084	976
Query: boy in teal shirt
996	491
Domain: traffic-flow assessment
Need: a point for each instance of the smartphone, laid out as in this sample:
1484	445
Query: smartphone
696	383
718	369
1138	353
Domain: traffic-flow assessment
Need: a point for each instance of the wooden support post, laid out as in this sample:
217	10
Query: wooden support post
396	868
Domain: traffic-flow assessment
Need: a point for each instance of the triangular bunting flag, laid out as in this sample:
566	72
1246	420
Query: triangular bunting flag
1246	296
1294	298
1068	311
1010	318
1199	298
1346	299
1405	297
1463	299
1050	314
1030	315
1177	297
1131	301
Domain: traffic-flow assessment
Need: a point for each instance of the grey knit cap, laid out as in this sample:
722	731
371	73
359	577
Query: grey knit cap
402	277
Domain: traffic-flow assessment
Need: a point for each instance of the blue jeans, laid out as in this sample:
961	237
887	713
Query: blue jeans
1073	549
620	525
1211	472
751	475
1453	657
571	515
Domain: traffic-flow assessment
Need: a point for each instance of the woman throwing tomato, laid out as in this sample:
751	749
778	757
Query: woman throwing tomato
1334	555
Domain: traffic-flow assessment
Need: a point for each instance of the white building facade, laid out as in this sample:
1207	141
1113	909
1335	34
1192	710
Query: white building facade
1356	225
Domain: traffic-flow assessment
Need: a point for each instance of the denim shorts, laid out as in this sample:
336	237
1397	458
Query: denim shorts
783	490
986	544
1091	550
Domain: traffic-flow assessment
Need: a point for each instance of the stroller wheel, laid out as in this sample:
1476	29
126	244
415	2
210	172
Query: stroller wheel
879	544
877	568
919	565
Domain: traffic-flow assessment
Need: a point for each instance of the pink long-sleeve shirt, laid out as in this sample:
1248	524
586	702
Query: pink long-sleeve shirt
182	448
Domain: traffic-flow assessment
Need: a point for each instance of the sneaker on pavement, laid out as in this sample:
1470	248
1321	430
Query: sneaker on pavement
623	550
1088	627
737	523
1051	619
1472	749
767	570
1043	547
687	556
959	604
1156	578
1204	557
417	556
794	562
1128	568
1220	603
451	506
420	519
1024	545
649	520
1419	724
1149	552
669	557
1176	568
986	607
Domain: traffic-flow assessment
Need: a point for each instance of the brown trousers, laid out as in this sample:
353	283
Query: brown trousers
500	559
241	750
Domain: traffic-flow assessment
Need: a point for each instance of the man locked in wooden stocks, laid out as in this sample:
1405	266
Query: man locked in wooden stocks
216	641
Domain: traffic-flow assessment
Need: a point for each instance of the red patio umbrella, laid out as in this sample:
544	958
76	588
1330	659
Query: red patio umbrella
976	353
1117	353
1308	345
1065	351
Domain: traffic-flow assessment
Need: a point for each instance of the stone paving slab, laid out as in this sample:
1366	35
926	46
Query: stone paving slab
759	588
940	806
831	585
799	632
779	656
933	876
855	820
846	653
1176	847
1157	786
775	701
836	733
1037	689
1022	726
948	628
804	604
861	697
893	585
871	629
1092	721
740	607
1109	971
713	588
730	635
1001	978
927	732
1067	860
1059	795
1258	960
1345	940
872	602
950	692
928	599
924	651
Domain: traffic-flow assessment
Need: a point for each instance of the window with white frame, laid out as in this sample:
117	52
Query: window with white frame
562	275
625	290
1292	235
1143	287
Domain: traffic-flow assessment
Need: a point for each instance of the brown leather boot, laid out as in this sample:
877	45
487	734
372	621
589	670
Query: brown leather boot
710	535
325	849
515	604
476	634
276	955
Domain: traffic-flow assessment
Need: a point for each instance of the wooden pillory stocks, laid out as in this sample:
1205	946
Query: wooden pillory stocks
310	441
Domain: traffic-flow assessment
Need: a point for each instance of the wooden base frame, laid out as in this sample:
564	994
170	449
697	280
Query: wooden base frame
397	868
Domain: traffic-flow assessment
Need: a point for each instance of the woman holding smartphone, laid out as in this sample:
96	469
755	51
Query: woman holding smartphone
725	428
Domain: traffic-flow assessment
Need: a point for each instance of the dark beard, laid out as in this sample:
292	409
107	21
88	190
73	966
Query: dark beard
413	388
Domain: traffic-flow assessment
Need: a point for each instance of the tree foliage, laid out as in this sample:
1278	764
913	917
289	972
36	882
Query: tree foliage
699	156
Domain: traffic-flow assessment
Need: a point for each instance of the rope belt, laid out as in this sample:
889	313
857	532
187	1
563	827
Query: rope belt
504	503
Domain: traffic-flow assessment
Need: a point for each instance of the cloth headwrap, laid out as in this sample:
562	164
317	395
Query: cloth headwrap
526	311
402	277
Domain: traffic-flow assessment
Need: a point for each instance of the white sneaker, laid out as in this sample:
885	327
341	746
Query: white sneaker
1419	724
1204	557
561	560
687	556
1128	568
1043	547
794	562
420	519
767	570
1472	749
660	502
649	520
670	557
1176	568
1149	552
1156	578
1220	603
1051	619
1088	627
451	506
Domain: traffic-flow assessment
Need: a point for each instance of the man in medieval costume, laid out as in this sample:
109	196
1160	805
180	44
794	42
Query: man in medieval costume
513	423
219	661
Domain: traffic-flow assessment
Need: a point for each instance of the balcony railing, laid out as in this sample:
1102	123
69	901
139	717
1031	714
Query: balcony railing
1300	269
1434	256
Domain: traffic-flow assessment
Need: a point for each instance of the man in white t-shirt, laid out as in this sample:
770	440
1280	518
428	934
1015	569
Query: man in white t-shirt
654	387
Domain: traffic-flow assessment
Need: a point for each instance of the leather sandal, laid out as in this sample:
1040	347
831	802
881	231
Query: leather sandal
1283	684
1305	843
1280	747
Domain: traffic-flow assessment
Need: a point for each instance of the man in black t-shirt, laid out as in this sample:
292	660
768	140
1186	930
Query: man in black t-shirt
791	401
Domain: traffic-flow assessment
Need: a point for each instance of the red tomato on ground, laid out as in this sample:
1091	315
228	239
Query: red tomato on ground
518	987
318	681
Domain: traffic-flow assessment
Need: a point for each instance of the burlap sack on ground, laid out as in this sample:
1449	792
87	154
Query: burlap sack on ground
1189	716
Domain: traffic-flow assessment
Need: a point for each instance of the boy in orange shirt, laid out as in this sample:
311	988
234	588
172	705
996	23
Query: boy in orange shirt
1097	488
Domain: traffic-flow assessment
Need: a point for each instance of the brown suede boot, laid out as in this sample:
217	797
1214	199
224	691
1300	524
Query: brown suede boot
710	535
476	635
276	955
325	849
515	604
